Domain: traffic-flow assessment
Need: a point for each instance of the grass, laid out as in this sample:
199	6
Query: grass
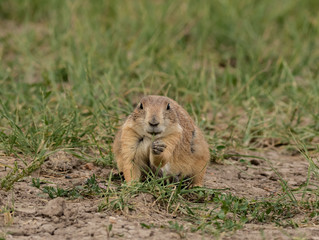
247	72
89	189
207	210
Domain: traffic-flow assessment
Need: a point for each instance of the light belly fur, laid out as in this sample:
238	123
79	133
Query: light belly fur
166	169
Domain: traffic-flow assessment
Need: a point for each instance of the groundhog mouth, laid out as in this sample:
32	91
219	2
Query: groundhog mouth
154	132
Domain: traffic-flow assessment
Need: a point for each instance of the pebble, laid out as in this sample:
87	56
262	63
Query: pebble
54	208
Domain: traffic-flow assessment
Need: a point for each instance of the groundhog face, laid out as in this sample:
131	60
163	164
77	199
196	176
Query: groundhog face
156	116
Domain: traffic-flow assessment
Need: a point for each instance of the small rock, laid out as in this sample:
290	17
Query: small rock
49	228
55	219
54	208
255	162
112	220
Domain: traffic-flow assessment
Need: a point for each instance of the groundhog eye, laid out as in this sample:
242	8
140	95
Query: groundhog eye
168	107
141	106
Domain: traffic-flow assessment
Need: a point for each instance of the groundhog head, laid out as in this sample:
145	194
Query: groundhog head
156	116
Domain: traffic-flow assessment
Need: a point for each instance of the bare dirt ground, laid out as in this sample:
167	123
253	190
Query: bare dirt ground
36	216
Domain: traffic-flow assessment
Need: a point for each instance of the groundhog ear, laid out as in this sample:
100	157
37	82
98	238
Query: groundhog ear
168	107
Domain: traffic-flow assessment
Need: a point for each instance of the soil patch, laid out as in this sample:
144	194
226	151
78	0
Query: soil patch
36	216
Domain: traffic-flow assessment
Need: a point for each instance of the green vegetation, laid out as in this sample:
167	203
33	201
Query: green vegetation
195	204
70	71
90	188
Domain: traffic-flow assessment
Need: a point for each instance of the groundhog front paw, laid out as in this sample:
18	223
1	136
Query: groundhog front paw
158	147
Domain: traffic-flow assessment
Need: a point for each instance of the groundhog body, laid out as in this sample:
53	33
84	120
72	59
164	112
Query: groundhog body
161	134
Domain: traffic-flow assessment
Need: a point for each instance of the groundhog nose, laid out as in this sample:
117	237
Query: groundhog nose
153	123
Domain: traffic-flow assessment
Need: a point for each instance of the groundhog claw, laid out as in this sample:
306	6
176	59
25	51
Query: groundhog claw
158	147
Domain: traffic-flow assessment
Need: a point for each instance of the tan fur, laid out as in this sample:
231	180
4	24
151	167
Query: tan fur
178	148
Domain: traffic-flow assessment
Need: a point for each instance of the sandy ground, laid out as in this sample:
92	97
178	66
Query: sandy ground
36	216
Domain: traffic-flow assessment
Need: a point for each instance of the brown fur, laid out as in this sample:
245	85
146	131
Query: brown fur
178	148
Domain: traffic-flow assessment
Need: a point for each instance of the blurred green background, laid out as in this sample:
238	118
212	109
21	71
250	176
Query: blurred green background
70	71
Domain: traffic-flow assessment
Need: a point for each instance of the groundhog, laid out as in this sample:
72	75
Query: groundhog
161	134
